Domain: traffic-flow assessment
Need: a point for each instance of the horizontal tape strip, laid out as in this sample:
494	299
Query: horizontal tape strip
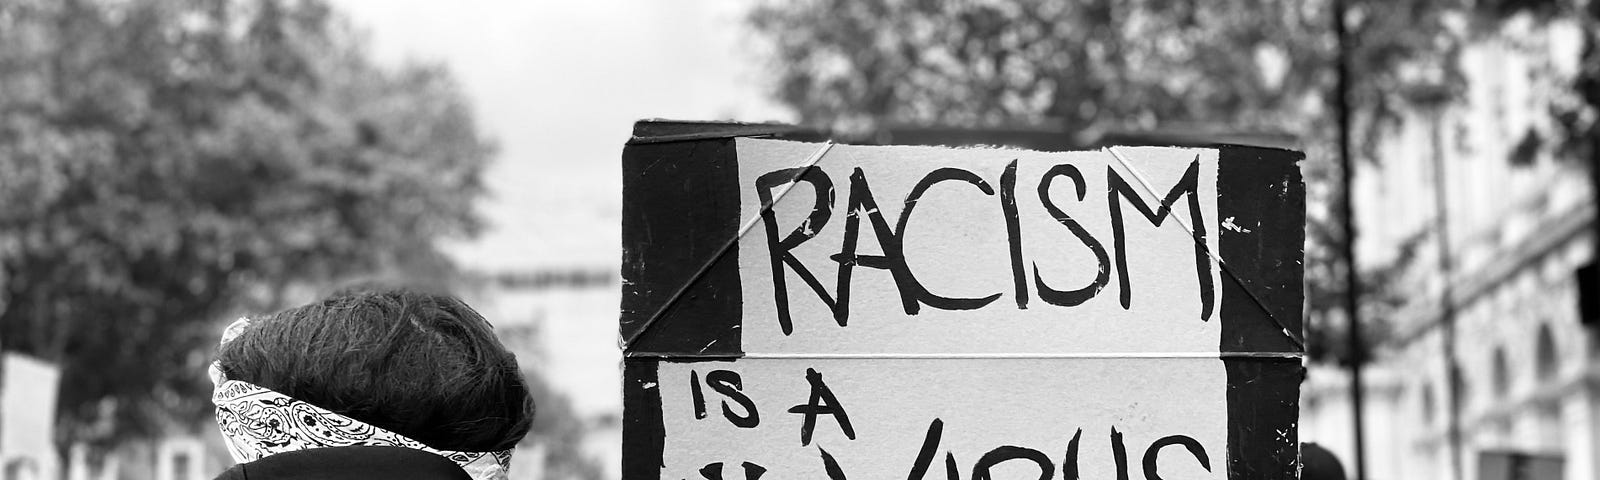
969	356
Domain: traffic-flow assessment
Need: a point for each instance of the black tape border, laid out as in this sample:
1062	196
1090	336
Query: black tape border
680	205
1261	196
643	433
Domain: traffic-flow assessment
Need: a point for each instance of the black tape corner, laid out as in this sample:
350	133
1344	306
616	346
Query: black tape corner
1261	207
680	208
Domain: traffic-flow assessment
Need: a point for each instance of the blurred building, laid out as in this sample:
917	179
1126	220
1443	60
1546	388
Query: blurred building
27	418
1494	285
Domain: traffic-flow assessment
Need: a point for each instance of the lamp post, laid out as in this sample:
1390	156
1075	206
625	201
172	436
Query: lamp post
1352	283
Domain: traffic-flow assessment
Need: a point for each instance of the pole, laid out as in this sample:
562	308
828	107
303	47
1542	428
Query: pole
1352	282
1447	304
1588	80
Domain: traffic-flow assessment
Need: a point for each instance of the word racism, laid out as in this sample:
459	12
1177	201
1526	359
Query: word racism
823	402
913	295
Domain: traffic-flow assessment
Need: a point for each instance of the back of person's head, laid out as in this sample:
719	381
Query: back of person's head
418	364
1317	463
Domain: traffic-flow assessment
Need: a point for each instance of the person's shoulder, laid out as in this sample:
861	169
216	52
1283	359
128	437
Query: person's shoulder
235	472
348	463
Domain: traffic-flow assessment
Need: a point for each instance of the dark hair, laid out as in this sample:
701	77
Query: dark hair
418	364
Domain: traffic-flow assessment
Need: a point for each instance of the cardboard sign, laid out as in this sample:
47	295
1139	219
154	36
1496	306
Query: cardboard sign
809	310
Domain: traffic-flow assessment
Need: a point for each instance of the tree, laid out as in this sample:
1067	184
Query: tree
163	162
1232	65
558	428
1099	63
561	430
1575	110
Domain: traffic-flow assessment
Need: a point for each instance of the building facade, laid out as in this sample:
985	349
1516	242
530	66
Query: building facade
27	413
1488	370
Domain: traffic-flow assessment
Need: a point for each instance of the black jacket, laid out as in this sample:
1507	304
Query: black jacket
348	463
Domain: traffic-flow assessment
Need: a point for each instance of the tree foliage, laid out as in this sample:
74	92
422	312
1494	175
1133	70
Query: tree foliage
162	161
1241	64
558	427
1575	109
1264	66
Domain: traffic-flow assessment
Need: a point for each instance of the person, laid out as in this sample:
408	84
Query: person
369	383
1318	463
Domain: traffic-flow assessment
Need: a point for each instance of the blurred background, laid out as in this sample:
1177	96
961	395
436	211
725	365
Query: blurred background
169	165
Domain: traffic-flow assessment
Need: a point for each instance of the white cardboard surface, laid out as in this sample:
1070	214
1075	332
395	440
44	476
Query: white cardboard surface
1032	403
956	244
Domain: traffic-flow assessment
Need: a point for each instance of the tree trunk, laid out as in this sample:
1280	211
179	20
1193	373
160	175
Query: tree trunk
1588	85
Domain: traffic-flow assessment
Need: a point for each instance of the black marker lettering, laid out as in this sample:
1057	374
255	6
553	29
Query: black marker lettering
822	403
861	201
930	449
778	249
713	471
921	293
1069	465
1118	189
831	466
753	471
1073	297
980	470
1008	206
728	384
1120	453
1155	449
698	398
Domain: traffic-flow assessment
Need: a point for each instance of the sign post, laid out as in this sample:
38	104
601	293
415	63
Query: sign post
810	310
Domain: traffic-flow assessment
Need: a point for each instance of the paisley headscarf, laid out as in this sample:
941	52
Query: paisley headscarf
257	422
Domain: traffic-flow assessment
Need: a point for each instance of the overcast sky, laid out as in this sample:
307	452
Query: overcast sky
558	86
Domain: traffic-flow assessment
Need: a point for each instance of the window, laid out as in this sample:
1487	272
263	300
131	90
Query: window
1428	405
1547	364
180	466
1458	387
22	468
1502	374
1551	430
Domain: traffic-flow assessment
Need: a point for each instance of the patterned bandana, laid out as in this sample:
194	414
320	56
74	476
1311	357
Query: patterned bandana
257	422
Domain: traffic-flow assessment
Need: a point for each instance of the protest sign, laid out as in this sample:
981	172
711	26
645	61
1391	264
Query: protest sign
809	310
